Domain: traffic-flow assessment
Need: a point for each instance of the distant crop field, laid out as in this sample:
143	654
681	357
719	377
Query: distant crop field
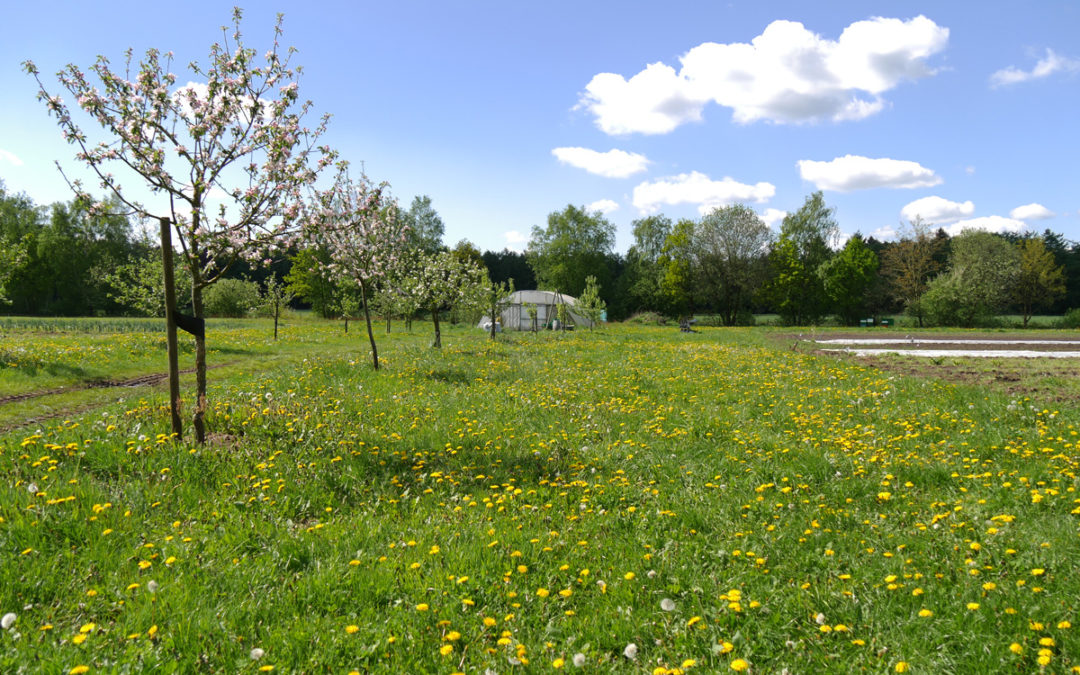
631	499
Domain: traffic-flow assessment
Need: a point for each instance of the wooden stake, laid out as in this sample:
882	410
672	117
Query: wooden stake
170	327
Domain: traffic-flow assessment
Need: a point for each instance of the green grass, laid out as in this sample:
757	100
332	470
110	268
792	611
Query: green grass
707	497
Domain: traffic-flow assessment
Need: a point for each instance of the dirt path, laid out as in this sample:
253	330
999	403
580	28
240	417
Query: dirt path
142	380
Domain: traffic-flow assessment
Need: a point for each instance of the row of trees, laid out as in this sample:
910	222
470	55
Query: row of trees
233	174
729	263
63	259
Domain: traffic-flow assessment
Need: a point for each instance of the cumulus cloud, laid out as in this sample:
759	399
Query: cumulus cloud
697	188
1033	211
10	157
997	224
937	210
883	233
853	172
610	164
787	74
515	240
773	217
1046	66
603	206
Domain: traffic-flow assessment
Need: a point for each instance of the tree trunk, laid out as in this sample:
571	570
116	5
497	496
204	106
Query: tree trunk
277	312
387	322
494	309
199	419
367	318
438	335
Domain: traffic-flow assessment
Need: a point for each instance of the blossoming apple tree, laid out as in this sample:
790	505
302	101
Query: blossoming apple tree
234	137
442	281
358	224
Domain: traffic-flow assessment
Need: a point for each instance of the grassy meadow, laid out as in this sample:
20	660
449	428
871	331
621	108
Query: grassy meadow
633	499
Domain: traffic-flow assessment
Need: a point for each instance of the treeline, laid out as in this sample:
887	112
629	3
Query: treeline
730	264
62	260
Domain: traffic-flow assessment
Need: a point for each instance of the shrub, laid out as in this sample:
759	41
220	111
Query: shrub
1070	320
232	298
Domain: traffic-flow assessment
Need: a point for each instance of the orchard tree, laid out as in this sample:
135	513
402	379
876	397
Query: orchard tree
497	297
440	282
275	297
357	223
589	303
235	135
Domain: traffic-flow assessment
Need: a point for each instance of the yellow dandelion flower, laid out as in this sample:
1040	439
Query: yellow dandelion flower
901	667
446	650
739	665
79	670
422	607
558	663
351	628
78	639
542	592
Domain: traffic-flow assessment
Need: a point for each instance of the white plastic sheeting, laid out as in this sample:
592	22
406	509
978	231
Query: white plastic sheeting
945	353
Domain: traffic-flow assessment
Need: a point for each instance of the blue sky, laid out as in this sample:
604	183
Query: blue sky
502	112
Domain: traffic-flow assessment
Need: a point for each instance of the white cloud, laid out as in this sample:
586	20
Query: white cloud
853	172
883	233
697	188
1046	66
1033	211
937	210
772	217
988	223
604	206
610	164
787	74
10	157
969	170
515	240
